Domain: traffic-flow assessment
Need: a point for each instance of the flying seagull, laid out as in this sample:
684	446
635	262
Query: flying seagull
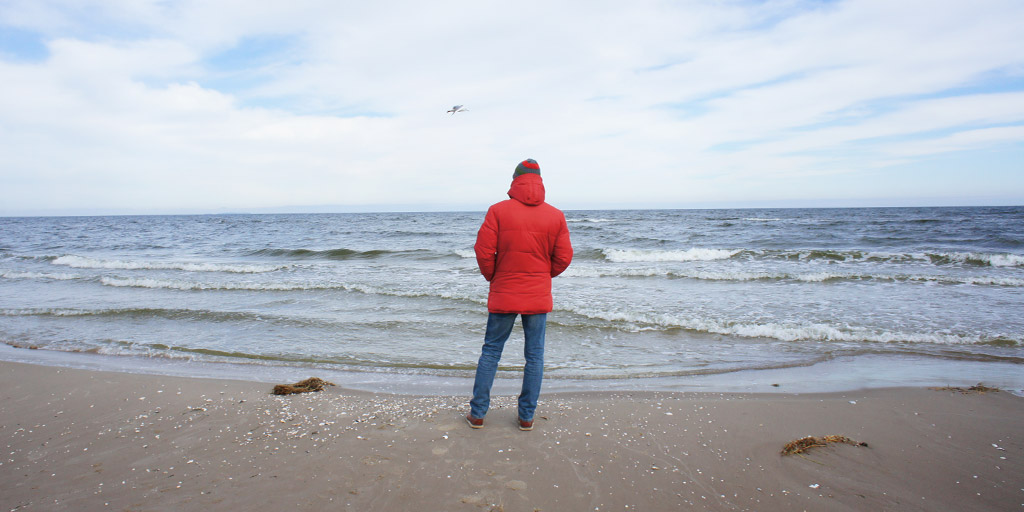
457	108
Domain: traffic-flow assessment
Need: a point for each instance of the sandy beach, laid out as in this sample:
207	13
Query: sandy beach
93	440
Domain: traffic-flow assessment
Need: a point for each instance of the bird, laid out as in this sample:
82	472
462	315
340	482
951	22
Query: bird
457	108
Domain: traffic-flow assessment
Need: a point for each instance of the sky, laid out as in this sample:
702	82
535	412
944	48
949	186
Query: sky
196	106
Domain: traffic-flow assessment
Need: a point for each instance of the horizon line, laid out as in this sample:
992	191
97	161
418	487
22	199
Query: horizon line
420	208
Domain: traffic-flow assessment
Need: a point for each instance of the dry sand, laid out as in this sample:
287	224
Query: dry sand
87	440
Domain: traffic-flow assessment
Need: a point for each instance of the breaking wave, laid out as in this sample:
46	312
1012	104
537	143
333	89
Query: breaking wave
592	221
809	277
123	282
38	275
330	254
981	259
84	262
819	332
936	258
172	314
168	284
628	255
695	254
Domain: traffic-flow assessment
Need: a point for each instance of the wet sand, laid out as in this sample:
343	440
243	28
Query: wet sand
94	440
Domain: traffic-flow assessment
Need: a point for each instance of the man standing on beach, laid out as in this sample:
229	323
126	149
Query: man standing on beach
522	244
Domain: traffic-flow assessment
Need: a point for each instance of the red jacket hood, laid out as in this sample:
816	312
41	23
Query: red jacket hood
527	189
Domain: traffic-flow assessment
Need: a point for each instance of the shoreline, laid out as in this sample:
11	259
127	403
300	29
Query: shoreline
87	440
835	375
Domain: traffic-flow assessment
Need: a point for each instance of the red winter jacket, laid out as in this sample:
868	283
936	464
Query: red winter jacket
522	244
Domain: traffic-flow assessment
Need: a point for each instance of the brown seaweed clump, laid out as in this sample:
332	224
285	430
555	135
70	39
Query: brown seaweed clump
304	386
978	388
806	443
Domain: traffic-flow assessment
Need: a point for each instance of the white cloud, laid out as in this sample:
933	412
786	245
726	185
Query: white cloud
651	101
960	141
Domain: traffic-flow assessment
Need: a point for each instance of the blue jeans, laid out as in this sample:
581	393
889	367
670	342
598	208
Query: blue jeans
499	327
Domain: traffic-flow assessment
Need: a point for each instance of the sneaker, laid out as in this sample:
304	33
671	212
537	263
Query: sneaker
474	422
525	425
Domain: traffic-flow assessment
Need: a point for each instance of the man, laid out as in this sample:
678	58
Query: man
522	244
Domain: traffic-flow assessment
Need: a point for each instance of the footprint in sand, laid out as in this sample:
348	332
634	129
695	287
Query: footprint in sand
516	485
473	500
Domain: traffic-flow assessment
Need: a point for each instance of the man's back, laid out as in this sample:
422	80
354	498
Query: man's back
522	244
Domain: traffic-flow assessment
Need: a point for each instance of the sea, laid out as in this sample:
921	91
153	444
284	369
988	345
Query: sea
730	299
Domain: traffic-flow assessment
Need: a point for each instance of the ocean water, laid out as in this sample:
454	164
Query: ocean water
651	294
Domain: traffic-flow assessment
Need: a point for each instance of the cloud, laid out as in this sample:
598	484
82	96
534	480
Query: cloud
206	106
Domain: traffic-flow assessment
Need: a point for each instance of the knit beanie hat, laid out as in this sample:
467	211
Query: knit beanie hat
527	166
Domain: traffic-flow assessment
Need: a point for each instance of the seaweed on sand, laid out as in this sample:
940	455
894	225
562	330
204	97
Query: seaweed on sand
304	386
806	443
978	388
